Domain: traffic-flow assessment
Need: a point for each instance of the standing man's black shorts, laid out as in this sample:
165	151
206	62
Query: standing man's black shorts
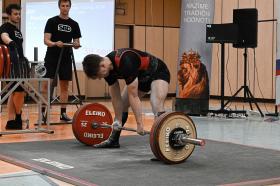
65	69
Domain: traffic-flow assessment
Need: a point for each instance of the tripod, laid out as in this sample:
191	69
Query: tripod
248	96
54	83
67	46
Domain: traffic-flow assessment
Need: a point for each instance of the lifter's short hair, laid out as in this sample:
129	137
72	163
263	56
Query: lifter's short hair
91	65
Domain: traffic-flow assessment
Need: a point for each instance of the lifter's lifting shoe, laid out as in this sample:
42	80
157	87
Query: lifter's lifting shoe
108	144
112	142
14	125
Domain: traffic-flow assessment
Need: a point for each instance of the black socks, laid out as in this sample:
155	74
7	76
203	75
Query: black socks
18	117
124	117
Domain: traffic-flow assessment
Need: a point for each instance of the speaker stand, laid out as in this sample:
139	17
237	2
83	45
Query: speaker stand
248	96
222	110
275	114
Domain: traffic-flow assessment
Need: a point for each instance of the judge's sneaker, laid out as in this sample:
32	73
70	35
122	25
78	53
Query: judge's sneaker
64	117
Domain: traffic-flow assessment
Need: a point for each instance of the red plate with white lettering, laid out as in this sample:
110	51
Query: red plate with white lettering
1	62
6	61
82	123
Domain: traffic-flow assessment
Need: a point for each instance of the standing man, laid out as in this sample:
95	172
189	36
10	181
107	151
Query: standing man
59	30
12	37
142	72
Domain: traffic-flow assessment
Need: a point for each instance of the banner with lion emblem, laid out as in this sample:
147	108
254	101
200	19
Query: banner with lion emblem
195	55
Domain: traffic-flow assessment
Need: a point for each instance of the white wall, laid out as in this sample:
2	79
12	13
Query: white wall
95	18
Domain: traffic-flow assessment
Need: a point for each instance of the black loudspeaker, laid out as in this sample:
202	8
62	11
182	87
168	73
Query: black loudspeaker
222	33
247	21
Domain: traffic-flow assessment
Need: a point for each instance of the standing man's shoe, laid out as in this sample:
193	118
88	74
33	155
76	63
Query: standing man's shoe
64	117
13	125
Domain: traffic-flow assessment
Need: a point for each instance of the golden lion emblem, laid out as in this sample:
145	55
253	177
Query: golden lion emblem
192	77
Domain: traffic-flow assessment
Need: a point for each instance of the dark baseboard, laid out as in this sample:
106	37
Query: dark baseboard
241	99
173	95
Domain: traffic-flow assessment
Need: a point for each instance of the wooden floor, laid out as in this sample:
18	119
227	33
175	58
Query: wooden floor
64	131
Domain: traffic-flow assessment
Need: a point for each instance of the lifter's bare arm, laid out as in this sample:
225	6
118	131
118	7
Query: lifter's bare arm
115	93
135	103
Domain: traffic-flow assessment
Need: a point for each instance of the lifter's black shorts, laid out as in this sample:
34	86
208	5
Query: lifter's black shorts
162	73
65	69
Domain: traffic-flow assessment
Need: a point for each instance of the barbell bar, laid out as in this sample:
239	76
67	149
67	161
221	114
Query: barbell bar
180	139
96	125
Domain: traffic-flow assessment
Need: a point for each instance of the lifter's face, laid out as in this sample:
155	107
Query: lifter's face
64	8
15	16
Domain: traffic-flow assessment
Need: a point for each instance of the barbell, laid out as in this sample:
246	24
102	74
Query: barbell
179	138
173	135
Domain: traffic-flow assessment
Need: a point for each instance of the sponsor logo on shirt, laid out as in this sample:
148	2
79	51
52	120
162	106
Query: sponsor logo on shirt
64	28
18	34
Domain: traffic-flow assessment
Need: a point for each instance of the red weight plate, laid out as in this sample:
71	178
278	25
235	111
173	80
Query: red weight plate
82	123
7	61
1	62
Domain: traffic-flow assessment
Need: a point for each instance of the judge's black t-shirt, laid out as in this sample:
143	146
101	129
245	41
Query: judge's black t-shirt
15	35
64	30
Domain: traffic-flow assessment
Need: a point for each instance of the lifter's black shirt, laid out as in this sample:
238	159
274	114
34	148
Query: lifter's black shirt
15	35
61	30
128	68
